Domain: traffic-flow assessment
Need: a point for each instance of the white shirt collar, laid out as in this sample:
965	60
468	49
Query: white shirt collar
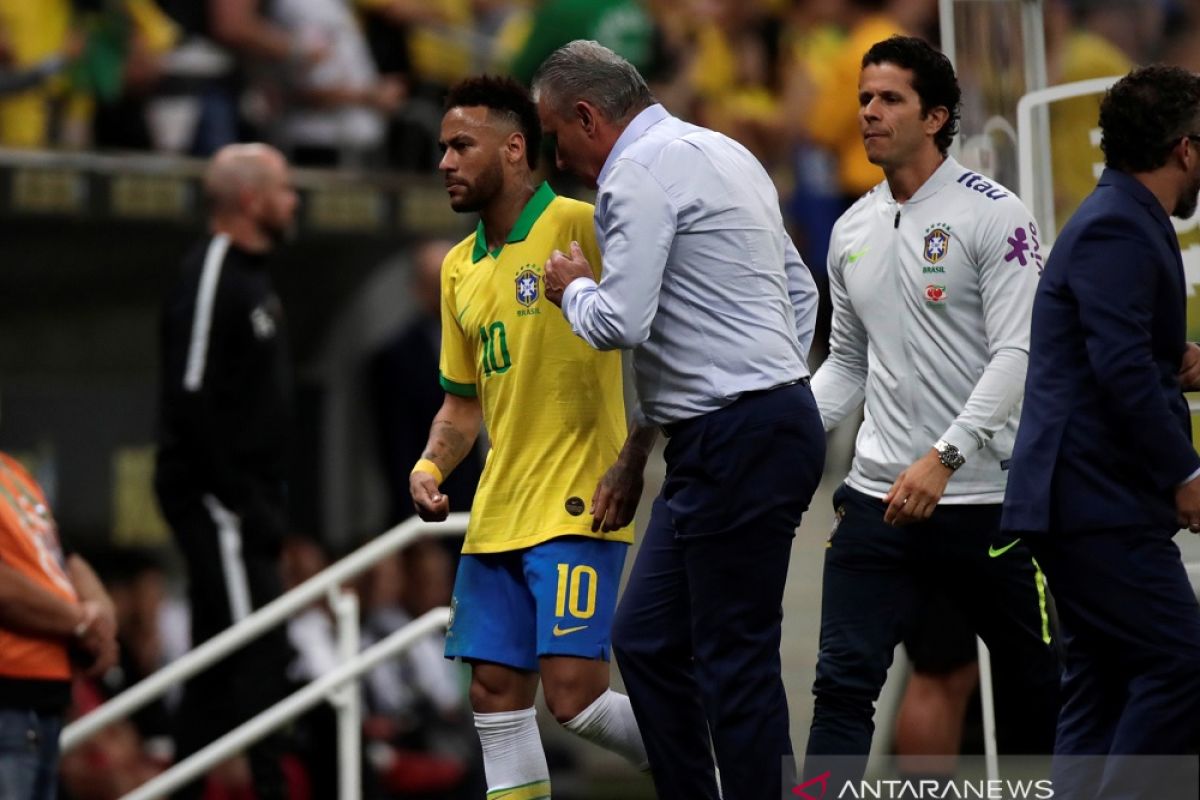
646	119
945	173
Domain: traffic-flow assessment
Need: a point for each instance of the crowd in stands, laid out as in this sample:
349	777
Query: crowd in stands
359	84
417	736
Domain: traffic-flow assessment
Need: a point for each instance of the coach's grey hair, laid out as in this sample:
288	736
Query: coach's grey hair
587	70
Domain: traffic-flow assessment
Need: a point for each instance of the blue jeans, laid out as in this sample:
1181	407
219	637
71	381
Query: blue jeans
29	754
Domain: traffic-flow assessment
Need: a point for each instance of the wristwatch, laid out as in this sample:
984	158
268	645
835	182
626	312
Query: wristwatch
948	455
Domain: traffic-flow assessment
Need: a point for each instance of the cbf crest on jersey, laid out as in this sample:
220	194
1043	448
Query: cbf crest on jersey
937	243
527	287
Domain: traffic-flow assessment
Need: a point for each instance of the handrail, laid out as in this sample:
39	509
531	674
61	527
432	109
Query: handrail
289	708
275	612
1027	164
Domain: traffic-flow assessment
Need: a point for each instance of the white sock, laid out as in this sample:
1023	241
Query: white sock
512	755
609	722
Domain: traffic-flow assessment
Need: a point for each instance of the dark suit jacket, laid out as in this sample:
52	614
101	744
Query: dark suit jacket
1105	433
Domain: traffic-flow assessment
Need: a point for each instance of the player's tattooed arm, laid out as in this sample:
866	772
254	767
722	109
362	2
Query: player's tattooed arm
616	498
451	437
453	432
639	443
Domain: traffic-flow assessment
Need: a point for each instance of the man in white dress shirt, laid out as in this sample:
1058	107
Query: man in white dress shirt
703	284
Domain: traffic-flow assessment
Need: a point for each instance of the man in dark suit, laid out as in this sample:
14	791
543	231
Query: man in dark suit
1104	471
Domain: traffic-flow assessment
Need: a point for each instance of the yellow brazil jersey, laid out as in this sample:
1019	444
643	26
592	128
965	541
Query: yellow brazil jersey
553	406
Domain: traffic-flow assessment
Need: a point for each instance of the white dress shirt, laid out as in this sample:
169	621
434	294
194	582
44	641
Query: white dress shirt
700	279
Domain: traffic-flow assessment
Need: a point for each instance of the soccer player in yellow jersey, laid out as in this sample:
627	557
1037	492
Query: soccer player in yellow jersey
537	582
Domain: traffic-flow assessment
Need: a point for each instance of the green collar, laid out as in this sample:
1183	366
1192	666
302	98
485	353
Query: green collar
529	215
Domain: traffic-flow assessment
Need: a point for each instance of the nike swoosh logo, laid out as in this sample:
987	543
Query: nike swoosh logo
852	257
460	314
993	552
564	631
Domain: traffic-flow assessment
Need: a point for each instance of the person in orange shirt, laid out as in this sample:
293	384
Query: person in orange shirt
55	618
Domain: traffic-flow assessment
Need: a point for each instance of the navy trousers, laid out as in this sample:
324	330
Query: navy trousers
697	632
1131	628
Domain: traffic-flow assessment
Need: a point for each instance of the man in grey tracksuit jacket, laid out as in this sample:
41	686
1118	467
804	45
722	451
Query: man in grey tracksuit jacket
932	275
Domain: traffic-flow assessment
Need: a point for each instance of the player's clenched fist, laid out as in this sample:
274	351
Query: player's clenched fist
431	504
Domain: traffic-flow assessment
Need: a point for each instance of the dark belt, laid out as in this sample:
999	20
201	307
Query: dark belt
670	428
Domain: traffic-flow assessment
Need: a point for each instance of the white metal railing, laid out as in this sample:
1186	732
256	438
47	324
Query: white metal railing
345	607
291	707
1032	191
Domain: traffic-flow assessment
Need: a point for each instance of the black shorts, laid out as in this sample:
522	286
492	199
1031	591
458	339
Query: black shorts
940	639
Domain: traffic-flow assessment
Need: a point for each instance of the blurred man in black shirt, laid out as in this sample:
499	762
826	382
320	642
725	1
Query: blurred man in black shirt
225	424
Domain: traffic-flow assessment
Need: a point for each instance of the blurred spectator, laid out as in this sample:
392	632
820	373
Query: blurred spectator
225	429
55	620
413	701
137	582
152	631
1078	47
397	591
1181	46
314	641
831	119
244	26
112	763
420	735
442	49
212	80
818	117
731	70
405	391
1135	27
336	112
432	45
386	25
311	631
15	79
622	25
35	34
119	67
506	23
812	40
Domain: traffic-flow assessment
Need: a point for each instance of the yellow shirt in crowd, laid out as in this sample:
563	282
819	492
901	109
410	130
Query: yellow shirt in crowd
1073	155
35	31
833	121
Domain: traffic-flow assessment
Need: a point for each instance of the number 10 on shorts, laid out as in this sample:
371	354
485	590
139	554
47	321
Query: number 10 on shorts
569	581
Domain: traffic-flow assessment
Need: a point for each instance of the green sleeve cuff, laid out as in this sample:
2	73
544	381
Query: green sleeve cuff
460	389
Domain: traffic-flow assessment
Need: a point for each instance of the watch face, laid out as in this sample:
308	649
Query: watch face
951	458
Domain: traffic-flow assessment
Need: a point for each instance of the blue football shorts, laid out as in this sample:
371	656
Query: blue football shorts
553	599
